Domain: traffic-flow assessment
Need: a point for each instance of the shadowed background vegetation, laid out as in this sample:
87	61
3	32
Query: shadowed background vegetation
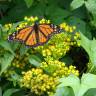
74	58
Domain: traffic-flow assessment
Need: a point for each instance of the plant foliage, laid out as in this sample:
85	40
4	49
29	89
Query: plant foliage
65	66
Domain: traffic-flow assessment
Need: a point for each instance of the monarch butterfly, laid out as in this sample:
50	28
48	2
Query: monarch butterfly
35	35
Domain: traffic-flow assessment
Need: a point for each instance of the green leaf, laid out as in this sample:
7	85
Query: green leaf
93	21
0	91
67	59
23	50
15	45
88	81
6	46
20	10
91	92
85	43
80	13
57	12
15	78
34	60
6	61
91	5
80	24
0	31
71	81
9	92
79	87
76	4
90	47
64	91
29	3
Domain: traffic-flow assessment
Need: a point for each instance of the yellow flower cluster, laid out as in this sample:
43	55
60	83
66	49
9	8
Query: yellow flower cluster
21	25
18	63
72	30
7	30
58	69
38	81
67	28
31	19
57	46
42	21
60	43
7	26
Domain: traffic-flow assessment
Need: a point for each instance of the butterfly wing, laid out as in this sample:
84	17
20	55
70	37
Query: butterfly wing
21	35
46	31
43	34
49	29
42	38
34	40
31	38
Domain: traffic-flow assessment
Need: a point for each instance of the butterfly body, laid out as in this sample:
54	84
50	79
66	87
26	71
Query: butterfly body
35	35
36	31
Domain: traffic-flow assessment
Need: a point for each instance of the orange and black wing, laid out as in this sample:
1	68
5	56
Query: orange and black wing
21	34
49	29
46	31
31	41
31	38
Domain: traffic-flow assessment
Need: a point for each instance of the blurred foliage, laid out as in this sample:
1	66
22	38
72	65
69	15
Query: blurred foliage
20	66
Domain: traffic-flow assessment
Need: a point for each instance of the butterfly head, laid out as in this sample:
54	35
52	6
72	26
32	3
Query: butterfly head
11	37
